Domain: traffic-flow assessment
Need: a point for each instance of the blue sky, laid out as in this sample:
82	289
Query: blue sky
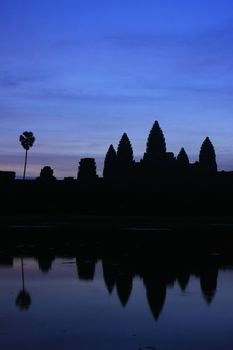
79	73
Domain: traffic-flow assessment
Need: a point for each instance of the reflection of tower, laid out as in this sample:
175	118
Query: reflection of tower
170	277
183	279
124	280
45	262
124	286
23	299
85	268
156	295
109	274
208	282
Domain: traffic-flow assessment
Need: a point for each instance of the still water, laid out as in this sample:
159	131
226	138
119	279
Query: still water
72	303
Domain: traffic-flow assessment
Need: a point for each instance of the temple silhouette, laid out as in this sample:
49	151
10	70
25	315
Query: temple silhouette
120	163
160	183
156	160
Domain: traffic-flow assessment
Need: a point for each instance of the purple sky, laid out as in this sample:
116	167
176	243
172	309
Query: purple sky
79	73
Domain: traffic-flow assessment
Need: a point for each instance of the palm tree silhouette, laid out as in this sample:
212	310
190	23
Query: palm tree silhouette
27	139
23	299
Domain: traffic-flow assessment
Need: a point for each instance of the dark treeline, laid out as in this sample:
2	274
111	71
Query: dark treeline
159	184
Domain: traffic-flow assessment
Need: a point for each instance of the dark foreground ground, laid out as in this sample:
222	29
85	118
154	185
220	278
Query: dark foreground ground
170	237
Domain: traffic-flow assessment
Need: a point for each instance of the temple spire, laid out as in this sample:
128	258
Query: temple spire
125	150
207	157
182	158
110	162
156	145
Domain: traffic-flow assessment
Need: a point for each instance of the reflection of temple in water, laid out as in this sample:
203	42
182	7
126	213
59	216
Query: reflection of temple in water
86	266
208	282
124	285
86	269
119	272
109	273
45	261
156	294
183	279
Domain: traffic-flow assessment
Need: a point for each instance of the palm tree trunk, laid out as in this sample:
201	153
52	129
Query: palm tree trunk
22	271
25	164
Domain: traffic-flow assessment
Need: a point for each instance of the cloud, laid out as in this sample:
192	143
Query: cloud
137	40
64	43
216	36
14	80
56	94
191	51
194	87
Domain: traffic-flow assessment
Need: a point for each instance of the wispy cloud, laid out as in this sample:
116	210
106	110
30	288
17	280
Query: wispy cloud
201	87
13	80
64	43
142	40
208	39
102	97
201	49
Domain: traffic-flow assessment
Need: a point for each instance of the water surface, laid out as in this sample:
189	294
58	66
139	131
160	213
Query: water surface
91	303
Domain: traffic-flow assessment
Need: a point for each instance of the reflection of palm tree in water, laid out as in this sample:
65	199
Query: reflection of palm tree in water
23	299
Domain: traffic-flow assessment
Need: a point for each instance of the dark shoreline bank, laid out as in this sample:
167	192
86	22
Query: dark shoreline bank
160	236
